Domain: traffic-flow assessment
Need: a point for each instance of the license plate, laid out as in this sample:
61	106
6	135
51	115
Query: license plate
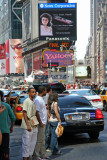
76	117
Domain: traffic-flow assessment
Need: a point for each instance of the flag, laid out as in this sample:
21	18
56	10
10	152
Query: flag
98	57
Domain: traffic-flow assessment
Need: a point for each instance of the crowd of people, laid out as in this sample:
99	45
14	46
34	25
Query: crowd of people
96	87
39	122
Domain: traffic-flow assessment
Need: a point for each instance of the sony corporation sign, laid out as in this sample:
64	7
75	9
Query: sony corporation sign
58	21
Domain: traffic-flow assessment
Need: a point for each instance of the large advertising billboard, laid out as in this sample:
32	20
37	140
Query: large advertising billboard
57	21
83	72
63	58
16	59
2	59
11	60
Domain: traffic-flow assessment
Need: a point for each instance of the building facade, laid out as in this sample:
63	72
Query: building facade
33	47
10	25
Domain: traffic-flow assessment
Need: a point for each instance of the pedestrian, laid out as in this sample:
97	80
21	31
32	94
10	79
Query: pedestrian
5	128
54	120
40	151
47	130
2	108
29	135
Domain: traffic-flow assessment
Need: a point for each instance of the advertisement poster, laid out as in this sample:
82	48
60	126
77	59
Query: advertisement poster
28	65
83	72
16	59
2	59
57	21
62	58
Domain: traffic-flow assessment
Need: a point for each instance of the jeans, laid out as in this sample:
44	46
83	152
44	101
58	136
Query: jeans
47	136
54	141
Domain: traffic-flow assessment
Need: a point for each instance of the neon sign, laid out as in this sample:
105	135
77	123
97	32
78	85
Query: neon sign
62	58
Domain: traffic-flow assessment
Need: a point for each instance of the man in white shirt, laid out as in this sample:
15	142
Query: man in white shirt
41	114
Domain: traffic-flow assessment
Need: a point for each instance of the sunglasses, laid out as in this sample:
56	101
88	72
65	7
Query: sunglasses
18	46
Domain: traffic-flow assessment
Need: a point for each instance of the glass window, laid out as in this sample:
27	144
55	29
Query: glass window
84	92
21	99
73	102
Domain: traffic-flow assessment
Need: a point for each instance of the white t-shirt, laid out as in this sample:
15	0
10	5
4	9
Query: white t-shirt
53	118
30	107
45	98
40	106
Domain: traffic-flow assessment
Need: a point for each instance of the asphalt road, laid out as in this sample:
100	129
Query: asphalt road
73	147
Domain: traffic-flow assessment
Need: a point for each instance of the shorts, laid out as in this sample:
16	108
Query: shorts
4	148
28	142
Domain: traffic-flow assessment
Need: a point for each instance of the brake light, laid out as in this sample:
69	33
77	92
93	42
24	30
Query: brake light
19	109
98	114
96	100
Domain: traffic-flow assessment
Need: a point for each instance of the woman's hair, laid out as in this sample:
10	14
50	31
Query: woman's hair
53	97
46	15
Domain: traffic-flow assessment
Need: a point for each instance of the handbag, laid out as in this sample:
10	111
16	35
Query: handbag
33	121
59	130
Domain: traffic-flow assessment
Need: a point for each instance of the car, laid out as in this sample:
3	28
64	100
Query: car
21	92
57	87
90	95
10	97
18	107
78	116
103	95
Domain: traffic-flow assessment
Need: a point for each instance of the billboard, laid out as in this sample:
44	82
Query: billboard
15	56
83	72
11	60
2	59
57	21
61	57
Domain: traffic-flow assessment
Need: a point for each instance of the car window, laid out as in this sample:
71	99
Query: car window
103	92
84	92
65	92
21	99
5	92
73	102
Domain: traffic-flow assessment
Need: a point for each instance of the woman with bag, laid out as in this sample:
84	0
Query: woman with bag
54	120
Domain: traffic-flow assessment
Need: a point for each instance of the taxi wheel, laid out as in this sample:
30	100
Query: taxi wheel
105	106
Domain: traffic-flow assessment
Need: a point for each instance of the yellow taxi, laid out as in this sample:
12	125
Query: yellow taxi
103	95
18	107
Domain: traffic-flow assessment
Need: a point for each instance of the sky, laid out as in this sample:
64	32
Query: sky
83	26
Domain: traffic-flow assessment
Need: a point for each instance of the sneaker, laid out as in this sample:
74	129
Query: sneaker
48	150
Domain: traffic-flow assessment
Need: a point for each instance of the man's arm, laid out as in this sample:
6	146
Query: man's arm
12	117
38	118
2	108
26	120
